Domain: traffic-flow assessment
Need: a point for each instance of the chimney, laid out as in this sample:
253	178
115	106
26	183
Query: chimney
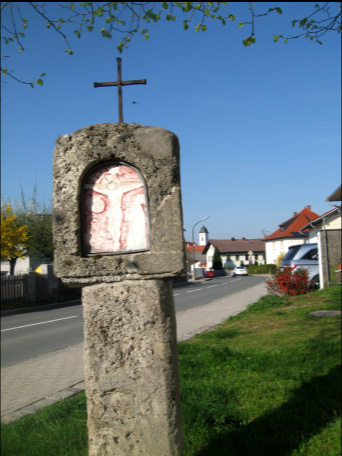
233	239
294	214
243	239
309	207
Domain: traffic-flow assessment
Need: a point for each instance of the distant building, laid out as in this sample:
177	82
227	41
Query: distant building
203	236
195	251
289	233
326	231
235	252
23	265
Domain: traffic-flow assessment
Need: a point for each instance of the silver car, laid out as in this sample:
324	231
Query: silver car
303	256
240	271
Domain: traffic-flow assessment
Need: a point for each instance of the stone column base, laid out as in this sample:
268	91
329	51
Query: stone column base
131	369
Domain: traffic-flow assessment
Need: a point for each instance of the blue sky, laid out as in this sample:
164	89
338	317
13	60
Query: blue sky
259	127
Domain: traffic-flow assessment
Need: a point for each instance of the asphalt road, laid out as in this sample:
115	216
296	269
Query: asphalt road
27	336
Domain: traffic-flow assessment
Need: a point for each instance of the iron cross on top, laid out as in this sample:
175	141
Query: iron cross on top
119	83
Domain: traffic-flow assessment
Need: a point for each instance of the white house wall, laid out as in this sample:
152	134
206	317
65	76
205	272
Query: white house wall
236	258
332	222
22	265
277	247
210	257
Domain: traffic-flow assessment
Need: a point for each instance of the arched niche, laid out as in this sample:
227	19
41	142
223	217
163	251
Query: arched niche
114	208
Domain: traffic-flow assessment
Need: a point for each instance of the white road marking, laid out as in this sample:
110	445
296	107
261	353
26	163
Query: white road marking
35	324
193	291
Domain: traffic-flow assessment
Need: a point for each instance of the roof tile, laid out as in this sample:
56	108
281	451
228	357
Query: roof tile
291	227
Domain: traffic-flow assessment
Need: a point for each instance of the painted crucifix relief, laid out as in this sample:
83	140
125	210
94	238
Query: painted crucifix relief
115	211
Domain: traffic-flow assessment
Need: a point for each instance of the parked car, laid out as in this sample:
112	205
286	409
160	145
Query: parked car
303	256
210	273
240	271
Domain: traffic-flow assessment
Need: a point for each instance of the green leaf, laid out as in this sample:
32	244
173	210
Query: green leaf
119	47
241	24
248	41
99	11
187	7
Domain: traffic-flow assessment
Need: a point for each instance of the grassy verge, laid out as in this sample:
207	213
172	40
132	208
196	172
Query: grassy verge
267	382
57	430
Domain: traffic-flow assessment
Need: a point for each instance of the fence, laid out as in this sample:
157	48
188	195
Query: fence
33	287
14	288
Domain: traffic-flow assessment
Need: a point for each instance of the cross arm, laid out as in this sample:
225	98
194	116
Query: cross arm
116	83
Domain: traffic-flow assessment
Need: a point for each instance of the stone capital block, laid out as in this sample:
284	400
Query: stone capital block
117	211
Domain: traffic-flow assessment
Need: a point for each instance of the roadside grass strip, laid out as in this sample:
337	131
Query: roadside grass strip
267	382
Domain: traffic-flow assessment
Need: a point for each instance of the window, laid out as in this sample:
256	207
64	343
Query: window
311	255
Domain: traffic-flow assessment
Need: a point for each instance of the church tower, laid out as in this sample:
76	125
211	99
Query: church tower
203	236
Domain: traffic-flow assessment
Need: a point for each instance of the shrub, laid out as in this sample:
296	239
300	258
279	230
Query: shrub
289	284
262	269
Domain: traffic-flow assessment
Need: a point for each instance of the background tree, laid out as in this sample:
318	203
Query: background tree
126	19
38	219
14	238
217	261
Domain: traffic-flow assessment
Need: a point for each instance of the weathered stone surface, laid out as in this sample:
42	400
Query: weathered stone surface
131	369
154	152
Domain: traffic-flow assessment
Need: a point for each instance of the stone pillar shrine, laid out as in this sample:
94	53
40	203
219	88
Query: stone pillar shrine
118	232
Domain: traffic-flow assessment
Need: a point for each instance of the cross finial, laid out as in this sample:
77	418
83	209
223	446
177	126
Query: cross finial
119	83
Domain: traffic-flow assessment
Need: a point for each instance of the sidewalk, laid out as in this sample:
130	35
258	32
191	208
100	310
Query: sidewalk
36	383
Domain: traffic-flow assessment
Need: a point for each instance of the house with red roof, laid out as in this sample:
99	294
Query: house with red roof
289	233
233	252
326	231
195	252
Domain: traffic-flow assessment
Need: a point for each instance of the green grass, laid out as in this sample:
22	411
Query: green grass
266	382
57	430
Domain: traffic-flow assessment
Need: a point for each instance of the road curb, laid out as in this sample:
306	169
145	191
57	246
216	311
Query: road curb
56	305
